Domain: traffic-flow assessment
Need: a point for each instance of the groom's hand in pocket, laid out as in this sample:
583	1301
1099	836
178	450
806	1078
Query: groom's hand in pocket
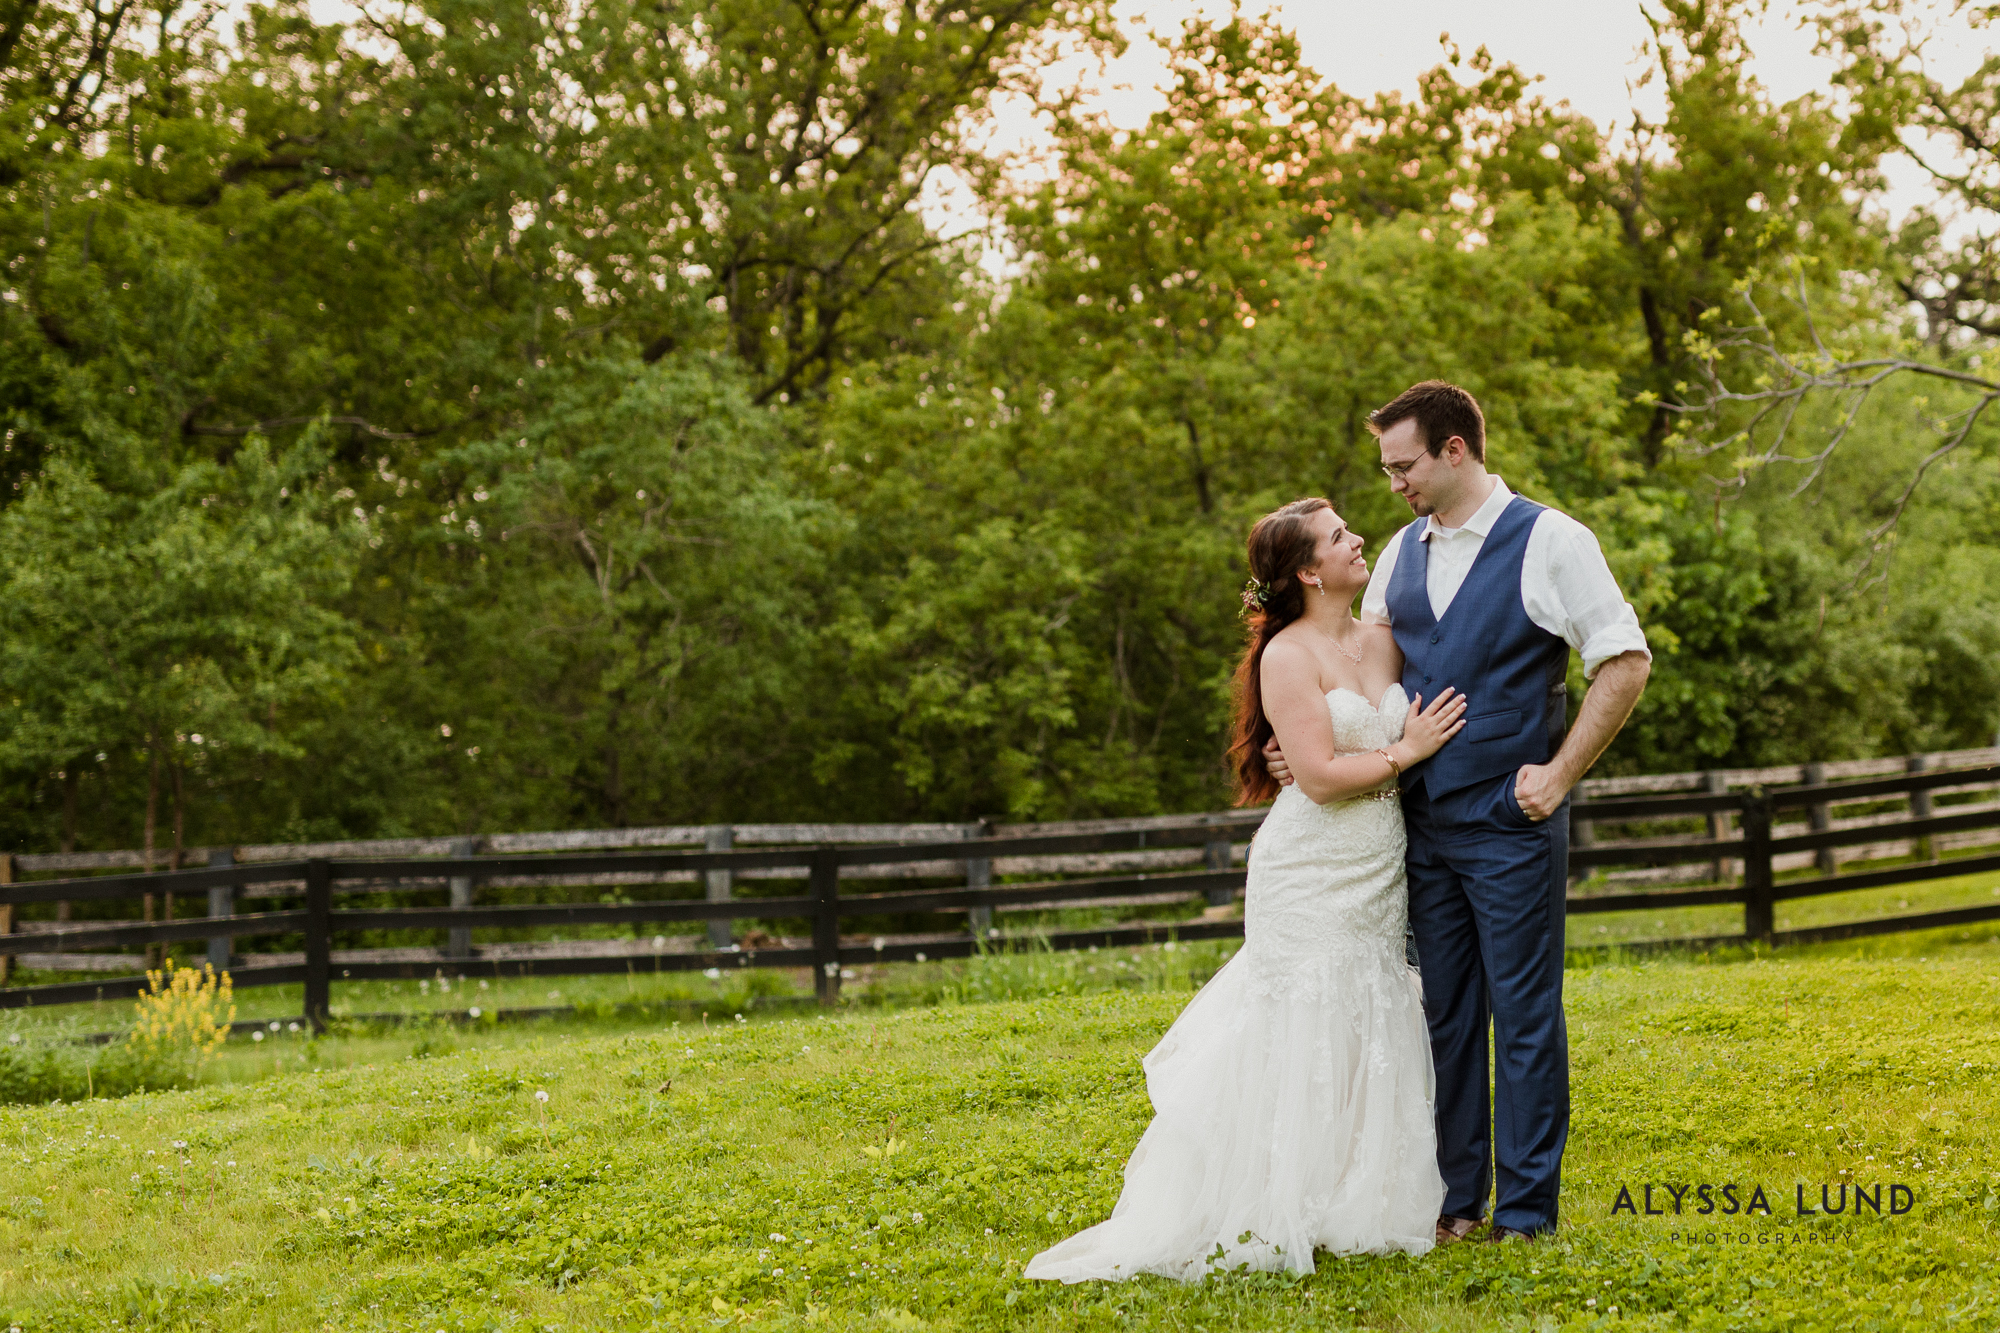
1540	791
1274	763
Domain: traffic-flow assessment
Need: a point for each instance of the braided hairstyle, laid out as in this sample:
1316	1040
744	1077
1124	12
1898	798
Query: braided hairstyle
1281	544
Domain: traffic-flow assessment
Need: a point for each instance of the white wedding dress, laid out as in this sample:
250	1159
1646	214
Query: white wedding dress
1292	1098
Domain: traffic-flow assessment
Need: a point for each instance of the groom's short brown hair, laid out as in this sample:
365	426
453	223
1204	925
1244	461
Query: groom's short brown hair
1442	410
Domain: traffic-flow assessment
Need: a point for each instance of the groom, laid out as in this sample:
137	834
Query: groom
1488	592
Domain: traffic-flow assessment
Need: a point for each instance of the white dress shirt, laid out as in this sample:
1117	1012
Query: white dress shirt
1566	587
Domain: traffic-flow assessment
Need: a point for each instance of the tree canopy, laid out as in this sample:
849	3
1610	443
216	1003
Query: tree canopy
513	415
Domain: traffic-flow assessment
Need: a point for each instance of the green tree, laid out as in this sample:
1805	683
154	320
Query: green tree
178	622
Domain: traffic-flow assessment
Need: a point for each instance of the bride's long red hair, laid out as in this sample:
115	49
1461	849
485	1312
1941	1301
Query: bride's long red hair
1281	544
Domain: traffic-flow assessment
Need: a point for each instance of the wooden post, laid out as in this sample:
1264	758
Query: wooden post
6	915
319	942
721	883
1215	856
1582	833
1758	883
1920	806
458	940
1820	819
1715	784
826	925
979	875
221	903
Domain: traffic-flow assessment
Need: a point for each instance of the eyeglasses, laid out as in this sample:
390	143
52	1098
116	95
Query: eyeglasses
1399	471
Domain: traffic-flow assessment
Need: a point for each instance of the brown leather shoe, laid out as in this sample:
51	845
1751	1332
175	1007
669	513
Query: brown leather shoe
1504	1234
1456	1228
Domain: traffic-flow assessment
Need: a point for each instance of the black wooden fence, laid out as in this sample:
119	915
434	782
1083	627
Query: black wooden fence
320	899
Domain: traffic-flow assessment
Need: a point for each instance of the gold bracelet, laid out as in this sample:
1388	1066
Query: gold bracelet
1392	763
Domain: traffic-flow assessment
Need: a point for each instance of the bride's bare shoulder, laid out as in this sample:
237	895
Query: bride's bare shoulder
1288	653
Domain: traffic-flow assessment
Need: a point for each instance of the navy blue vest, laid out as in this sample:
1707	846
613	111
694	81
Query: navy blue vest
1512	670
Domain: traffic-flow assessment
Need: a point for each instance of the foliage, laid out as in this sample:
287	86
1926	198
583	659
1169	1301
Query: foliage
470	416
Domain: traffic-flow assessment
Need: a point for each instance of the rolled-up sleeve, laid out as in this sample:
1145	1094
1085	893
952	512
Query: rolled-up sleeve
1594	617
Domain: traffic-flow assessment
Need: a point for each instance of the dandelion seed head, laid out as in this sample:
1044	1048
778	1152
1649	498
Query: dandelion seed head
541	1094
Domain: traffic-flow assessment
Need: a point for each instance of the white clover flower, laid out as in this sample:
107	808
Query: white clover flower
916	1217
778	1236
713	973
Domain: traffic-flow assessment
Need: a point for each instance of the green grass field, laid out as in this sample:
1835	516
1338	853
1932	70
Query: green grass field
890	1168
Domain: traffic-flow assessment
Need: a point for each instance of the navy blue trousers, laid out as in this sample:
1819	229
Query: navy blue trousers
1486	906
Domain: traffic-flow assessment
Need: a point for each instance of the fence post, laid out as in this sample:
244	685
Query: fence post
1920	807
1215	856
221	903
458	939
319	942
721	931
1582	833
1715	784
1757	879
6	915
1820	818
979	875
826	925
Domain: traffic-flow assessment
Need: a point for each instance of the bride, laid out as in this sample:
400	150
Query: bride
1292	1097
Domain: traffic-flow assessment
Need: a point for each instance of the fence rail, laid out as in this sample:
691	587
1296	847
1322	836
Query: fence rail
319	894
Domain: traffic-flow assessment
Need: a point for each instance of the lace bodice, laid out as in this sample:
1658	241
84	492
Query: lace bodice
1329	879
1358	727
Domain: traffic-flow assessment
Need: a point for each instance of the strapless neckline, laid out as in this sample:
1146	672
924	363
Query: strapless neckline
1377	706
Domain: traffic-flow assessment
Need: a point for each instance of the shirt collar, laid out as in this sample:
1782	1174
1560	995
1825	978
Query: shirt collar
1483	518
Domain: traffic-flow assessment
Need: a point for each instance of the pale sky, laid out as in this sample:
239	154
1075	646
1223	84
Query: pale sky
1587	52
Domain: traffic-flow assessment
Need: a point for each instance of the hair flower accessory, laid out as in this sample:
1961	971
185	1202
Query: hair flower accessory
1256	594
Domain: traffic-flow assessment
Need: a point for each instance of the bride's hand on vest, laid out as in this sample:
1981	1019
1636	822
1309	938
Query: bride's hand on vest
1427	729
1274	763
